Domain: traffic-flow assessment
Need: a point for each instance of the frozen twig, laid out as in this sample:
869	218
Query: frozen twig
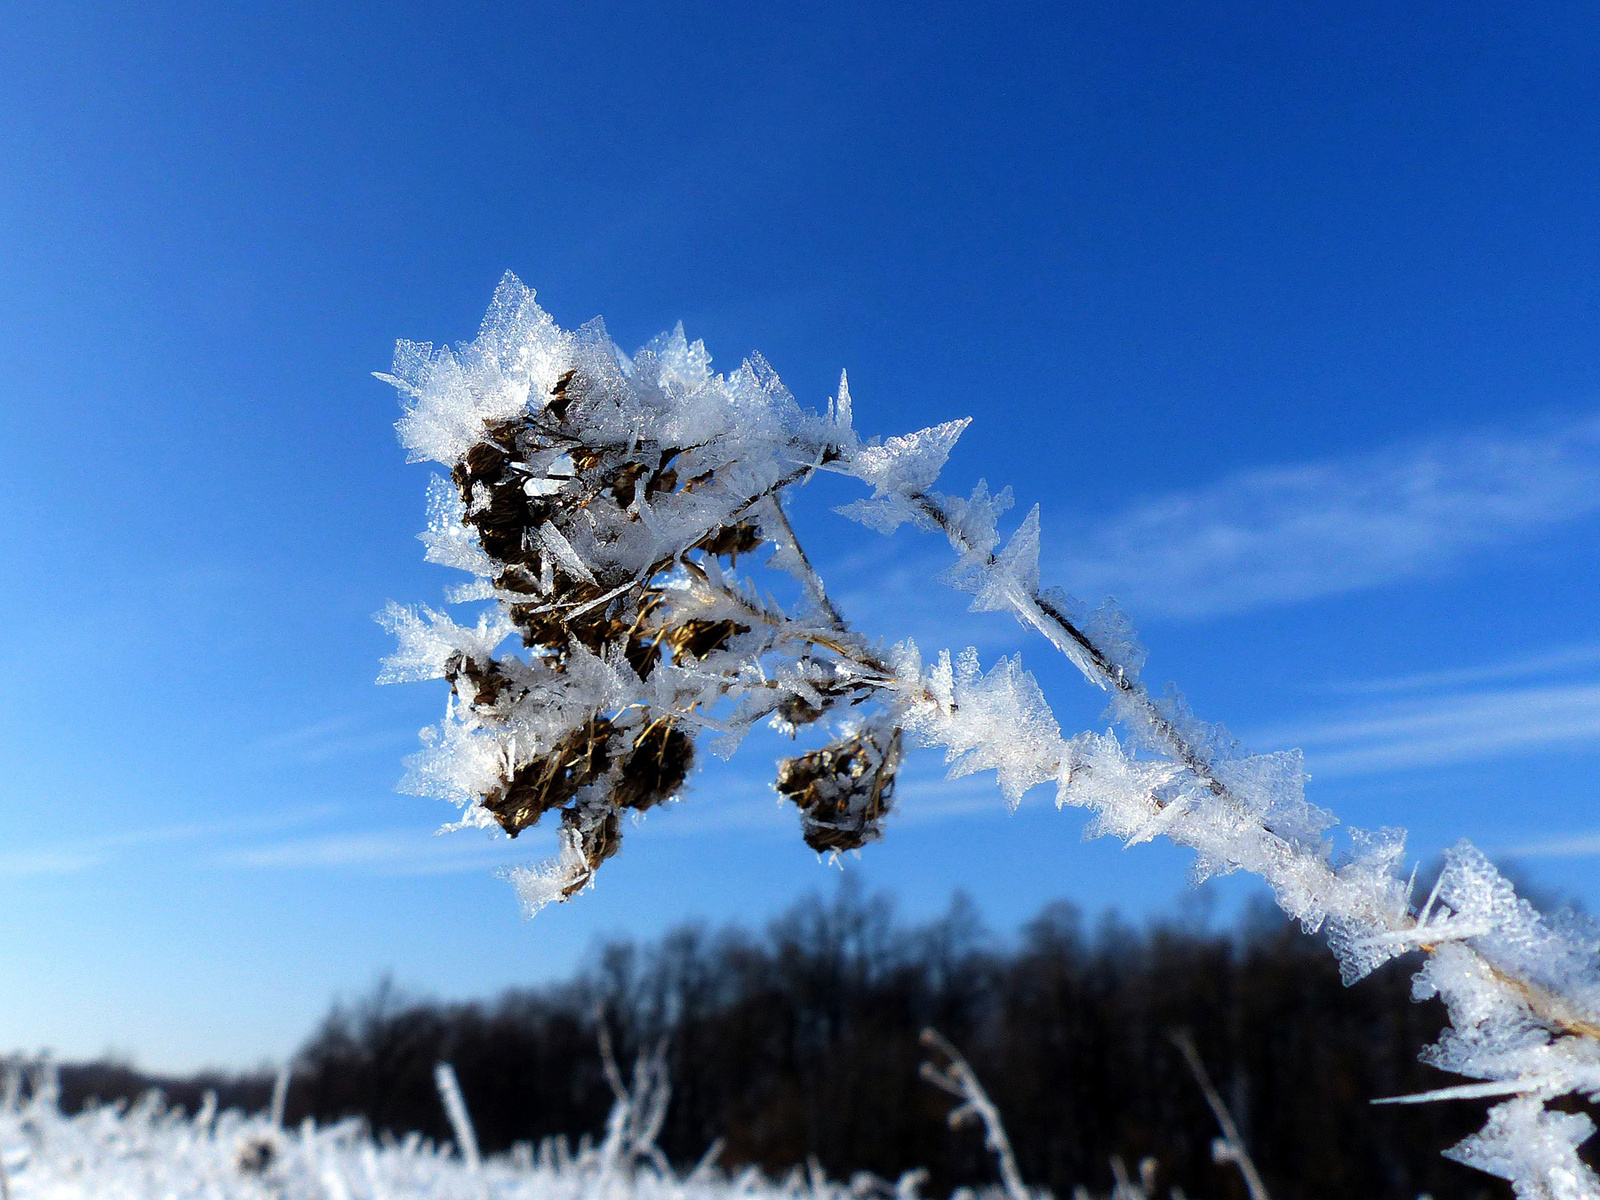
455	1107
608	1057
1230	1146
280	1096
603	503
955	1077
637	1113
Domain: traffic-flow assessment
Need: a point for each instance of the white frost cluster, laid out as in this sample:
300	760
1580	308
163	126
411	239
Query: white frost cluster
1523	992
600	502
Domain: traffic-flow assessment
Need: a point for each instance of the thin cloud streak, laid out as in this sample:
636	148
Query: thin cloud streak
1576	845
48	860
1565	658
1444	730
334	738
1293	533
385	851
73	857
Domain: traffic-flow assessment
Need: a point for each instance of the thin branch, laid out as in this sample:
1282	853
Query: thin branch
812	581
1230	1146
608	1059
1088	657
280	1096
958	1079
661	564
1554	1012
455	1107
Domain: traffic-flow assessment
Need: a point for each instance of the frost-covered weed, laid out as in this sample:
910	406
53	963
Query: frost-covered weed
604	504
147	1151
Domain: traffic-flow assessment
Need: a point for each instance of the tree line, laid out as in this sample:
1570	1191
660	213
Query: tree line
800	1042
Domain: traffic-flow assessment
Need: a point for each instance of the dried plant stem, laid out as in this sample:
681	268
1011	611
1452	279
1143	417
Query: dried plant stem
633	487
958	1079
280	1095
1549	1010
1232	1145
608	1057
812	581
455	1107
662	564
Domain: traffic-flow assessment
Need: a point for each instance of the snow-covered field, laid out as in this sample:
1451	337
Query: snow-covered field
147	1152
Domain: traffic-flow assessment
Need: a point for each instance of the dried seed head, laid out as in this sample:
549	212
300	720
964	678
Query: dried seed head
481	683
592	521
655	767
844	790
698	638
597	835
534	788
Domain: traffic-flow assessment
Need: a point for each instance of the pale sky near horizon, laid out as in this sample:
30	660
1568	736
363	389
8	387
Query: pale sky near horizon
1286	315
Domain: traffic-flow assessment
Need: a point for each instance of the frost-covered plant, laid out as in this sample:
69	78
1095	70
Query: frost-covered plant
952	1074
1230	1147
955	1077
120	1152
604	504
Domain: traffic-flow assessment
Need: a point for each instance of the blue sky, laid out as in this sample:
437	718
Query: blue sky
1286	314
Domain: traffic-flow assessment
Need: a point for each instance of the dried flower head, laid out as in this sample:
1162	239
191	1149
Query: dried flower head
844	790
604	503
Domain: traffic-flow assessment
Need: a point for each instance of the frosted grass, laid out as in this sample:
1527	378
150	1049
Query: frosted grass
149	1152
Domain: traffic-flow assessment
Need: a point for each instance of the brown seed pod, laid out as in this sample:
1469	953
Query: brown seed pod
730	541
797	710
655	767
566	390
597	841
844	790
534	788
504	521
481	684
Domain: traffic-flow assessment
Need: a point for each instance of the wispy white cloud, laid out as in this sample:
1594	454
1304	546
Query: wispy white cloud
1438	730
1572	845
49	860
384	851
928	795
82	854
1565	658
1320	528
334	737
